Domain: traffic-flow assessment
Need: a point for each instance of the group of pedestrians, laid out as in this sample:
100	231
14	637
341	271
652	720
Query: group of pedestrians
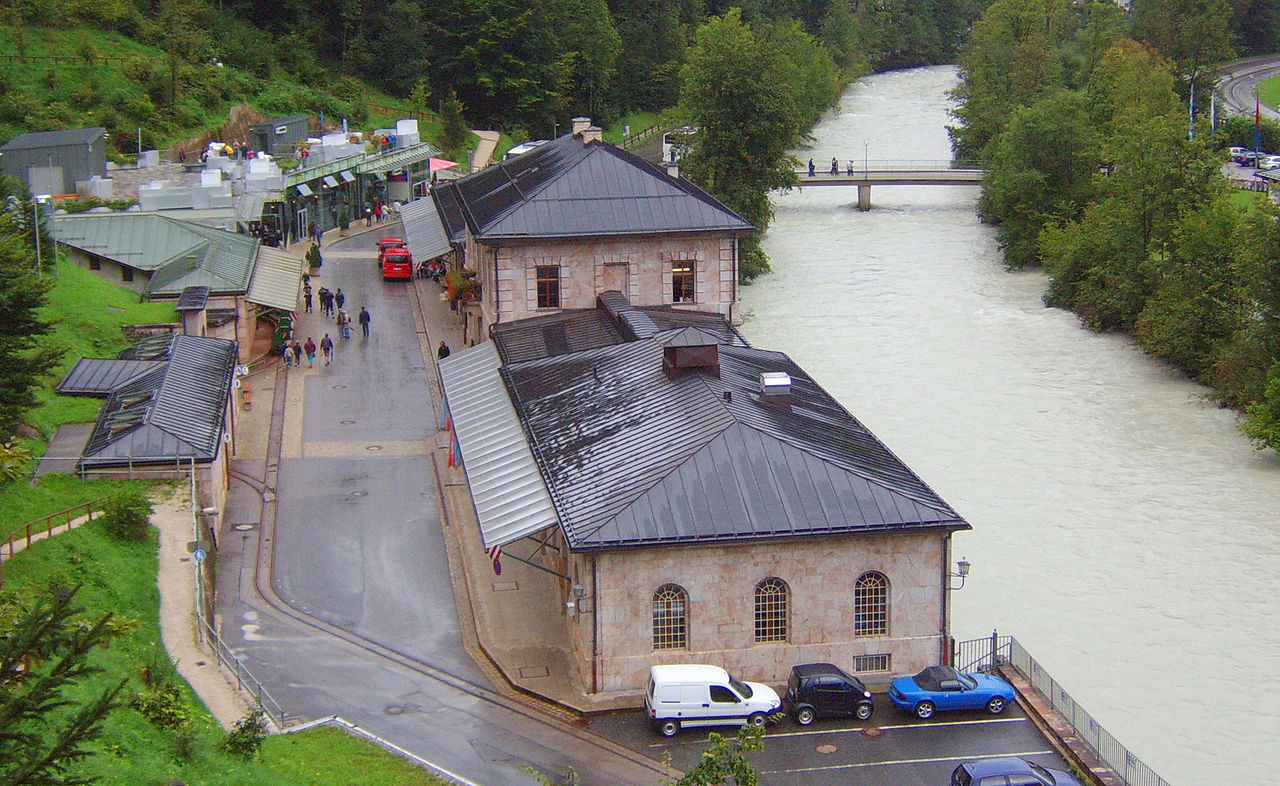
330	302
835	167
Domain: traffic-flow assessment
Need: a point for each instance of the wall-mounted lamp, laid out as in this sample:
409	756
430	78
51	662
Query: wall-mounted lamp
962	570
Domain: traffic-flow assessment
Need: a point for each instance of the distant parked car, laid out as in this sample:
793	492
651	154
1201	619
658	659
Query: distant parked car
1009	770
1235	152
823	690
1268	162
943	688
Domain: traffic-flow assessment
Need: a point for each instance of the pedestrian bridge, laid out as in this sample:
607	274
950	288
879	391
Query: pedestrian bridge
889	173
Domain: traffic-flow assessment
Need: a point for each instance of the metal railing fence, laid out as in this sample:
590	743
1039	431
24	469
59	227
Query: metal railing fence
995	650
245	680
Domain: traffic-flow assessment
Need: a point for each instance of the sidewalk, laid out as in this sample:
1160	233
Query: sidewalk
517	617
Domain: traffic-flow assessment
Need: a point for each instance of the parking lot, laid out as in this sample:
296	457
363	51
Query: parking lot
891	749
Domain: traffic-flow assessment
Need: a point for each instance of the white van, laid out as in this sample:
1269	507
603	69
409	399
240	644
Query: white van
680	696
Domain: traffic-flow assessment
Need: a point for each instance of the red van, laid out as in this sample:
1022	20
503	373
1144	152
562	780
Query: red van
397	263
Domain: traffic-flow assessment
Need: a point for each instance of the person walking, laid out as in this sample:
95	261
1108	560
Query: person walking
365	319
339	299
310	349
443	352
297	353
326	346
811	168
306	296
326	301
286	354
344	323
835	166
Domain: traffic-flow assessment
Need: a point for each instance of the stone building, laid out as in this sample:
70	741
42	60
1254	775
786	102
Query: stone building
553	228
701	500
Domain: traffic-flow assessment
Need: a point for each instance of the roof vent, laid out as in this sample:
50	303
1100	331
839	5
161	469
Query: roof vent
581	124
775	383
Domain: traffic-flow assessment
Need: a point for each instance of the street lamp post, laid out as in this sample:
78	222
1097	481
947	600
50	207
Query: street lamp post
866	154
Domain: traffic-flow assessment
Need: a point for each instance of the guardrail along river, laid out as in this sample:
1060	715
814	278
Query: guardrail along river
1124	531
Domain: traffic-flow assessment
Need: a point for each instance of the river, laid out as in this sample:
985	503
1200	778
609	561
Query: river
1123	530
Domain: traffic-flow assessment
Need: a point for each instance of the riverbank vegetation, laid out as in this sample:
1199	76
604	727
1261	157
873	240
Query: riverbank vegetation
1080	116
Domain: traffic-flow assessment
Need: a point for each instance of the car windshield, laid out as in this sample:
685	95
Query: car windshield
969	682
743	689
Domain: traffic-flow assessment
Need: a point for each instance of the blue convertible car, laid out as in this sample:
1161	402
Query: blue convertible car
940	688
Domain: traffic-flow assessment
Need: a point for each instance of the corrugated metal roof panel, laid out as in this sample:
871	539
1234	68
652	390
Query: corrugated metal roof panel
99	376
510	498
569	188
633	457
38	139
277	279
424	231
143	241
175	411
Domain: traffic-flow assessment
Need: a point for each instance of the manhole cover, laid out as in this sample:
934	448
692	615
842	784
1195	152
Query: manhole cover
244	527
395	709
347	422
339	387
873	732
359	493
827	748
374	447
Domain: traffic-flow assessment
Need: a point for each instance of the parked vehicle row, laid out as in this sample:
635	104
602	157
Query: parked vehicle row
394	259
1255	158
679	696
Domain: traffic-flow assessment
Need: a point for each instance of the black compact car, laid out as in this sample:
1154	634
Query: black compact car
824	690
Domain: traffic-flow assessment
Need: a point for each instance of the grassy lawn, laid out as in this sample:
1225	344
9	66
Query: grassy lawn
1269	92
119	578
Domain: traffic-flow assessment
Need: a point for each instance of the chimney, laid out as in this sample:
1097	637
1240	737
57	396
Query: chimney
581	124
592	134
775	389
673	170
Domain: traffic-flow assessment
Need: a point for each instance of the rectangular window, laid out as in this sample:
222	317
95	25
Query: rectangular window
548	282
126	273
862	663
682	281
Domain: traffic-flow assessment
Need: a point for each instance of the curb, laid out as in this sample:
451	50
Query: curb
1060	733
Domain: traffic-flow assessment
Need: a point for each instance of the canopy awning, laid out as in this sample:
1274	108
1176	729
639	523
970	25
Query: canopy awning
304	189
437	164
423	230
277	279
330	181
510	498
347	176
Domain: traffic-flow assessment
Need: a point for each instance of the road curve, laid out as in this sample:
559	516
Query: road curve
1241	78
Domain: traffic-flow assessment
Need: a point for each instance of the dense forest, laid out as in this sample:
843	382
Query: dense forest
515	65
1081	115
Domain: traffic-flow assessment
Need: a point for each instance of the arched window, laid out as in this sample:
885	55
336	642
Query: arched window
871	605
670	618
771	610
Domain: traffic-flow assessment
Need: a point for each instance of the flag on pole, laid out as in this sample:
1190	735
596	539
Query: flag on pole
455	451
444	413
494	554
1257	125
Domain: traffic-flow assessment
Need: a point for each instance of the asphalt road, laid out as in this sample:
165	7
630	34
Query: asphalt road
892	748
343	604
1242	78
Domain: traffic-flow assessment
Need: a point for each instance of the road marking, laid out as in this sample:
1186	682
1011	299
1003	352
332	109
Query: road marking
819	732
857	765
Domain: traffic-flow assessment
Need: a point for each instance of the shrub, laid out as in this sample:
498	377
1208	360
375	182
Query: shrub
313	256
245	740
14	460
164	707
344	220
125	515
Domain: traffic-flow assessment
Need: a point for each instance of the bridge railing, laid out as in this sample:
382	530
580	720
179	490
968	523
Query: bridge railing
886	165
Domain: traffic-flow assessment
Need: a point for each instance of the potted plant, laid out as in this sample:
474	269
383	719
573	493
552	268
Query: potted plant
344	221
314	261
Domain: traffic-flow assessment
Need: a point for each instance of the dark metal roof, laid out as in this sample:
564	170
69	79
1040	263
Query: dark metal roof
615	321
38	139
176	410
99	376
192	299
633	457
449	206
568	188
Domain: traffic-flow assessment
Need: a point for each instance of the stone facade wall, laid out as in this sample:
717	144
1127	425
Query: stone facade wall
720	582
638	267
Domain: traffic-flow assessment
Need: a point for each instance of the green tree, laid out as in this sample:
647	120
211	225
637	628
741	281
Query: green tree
653	44
593	41
453	127
1012	58
1193	34
1030	183
725	761
24	362
746	118
806	67
44	648
1262	418
1192	310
